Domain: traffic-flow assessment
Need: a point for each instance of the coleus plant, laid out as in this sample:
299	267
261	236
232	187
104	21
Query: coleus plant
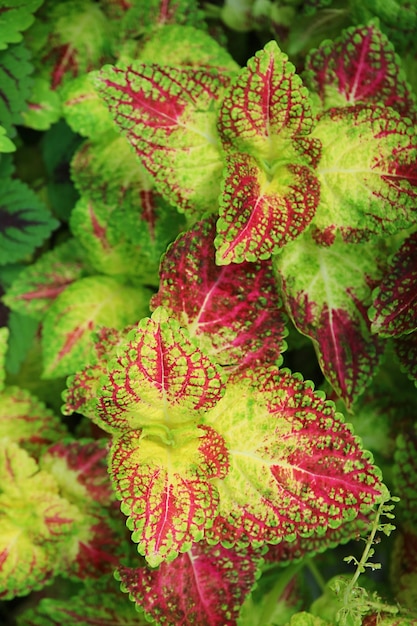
201	229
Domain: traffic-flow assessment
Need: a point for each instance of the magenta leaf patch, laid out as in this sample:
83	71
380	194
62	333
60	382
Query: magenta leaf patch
394	309
367	173
166	488
269	192
206	586
169	117
233	311
328	302
359	66
295	467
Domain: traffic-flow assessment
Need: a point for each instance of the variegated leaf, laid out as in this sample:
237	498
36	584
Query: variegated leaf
166	487
367	173
394	308
206	586
169	117
234	312
359	66
295	468
328	302
406	349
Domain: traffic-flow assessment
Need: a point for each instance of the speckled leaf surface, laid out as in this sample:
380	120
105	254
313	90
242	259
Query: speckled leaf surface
27	421
328	302
40	283
359	66
82	307
169	117
25	222
35	522
295	467
159	381
367	173
394	308
234	311
166	487
269	191
206	586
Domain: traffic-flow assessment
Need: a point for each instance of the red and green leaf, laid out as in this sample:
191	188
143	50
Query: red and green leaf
367	173
169	117
25	222
359	67
166	487
329	301
79	310
269	192
27	421
40	283
35	523
295	467
206	586
159	380
234	312
394	308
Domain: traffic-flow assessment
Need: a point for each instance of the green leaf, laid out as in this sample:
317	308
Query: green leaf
15	17
43	106
328	302
295	469
77	312
307	619
177	142
405	474
83	109
367	173
15	81
4	335
6	144
24	221
23	330
40	283
35	522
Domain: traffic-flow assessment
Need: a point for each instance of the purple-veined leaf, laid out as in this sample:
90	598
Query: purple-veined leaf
40	283
166	487
25	222
406	349
82	307
155	14
98	603
359	66
16	16
260	214
27	421
328	302
169	116
15	84
295	468
206	586
394	308
35	523
367	173
160	380
234	312
270	191
43	106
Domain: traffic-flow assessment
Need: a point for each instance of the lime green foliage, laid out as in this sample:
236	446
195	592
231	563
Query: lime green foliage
6	145
16	16
44	106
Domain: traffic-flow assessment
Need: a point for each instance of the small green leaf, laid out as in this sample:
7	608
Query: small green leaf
43	106
15	17
6	144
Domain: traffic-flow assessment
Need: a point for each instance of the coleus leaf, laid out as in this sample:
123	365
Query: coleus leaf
166	486
405	474
368	181
84	110
177	142
206	586
34	520
27	421
43	106
270	191
15	70
406	350
24	221
15	17
359	66
394	308
328	302
234	312
6	144
4	335
98	603
85	304
294	467
40	283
